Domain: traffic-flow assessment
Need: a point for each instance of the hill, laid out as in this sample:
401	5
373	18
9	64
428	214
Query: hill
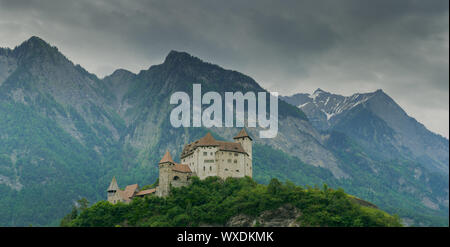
237	202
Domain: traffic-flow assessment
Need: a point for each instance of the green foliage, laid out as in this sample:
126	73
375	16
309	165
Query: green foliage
214	201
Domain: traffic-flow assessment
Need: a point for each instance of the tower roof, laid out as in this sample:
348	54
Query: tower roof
113	185
242	134
166	158
207	140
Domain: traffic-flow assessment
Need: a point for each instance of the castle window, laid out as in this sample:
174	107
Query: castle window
211	153
236	154
226	169
235	161
229	160
204	169
176	178
210	168
237	170
205	153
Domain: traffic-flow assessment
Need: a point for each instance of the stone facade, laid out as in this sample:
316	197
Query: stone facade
172	174
115	194
209	157
203	158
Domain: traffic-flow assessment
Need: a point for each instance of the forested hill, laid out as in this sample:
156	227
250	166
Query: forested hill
236	202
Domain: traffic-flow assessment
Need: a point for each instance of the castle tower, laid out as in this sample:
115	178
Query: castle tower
245	140
112	191
165	169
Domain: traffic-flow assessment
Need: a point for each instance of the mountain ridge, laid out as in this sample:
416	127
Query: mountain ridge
329	111
119	125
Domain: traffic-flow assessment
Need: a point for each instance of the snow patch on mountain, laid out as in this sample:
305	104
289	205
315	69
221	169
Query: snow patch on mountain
332	105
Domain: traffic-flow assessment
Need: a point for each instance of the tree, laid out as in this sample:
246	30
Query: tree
83	204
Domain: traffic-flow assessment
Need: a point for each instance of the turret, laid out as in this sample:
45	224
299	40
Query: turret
113	188
165	168
245	140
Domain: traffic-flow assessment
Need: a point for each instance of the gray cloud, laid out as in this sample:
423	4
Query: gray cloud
290	46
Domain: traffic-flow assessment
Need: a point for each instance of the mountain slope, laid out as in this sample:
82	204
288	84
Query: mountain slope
177	74
64	134
376	122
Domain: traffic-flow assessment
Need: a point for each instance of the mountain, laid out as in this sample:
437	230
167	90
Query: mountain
178	72
56	130
64	133
378	123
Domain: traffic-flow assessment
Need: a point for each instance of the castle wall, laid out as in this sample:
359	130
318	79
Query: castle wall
207	165
231	164
209	161
248	167
114	198
206	161
179	179
246	144
203	161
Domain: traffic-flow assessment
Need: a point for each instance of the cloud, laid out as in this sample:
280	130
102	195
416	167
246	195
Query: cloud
291	46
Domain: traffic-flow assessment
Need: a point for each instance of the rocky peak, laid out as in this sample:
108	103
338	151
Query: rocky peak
120	74
37	50
320	91
177	57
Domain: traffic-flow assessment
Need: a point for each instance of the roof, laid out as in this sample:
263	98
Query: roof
113	185
146	192
166	158
208	140
129	191
231	146
181	168
242	134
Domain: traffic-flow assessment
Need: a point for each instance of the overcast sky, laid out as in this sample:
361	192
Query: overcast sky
286	46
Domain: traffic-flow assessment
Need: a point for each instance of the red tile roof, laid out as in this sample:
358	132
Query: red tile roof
181	168
208	140
166	158
130	190
146	192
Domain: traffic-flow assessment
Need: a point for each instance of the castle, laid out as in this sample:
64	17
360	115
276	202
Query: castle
202	158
